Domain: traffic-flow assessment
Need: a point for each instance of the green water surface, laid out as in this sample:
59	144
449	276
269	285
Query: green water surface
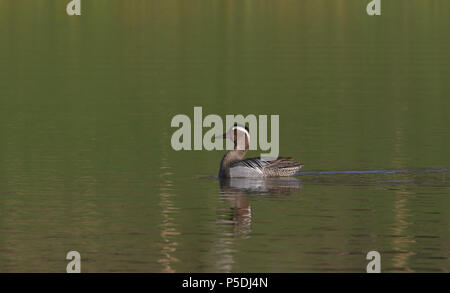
86	162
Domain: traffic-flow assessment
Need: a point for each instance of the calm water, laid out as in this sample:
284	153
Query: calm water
85	156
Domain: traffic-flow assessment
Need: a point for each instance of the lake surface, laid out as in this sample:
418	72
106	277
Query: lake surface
86	162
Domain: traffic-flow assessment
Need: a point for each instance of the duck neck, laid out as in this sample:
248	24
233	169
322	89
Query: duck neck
229	158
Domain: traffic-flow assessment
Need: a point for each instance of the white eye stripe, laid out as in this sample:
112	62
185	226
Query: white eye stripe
242	129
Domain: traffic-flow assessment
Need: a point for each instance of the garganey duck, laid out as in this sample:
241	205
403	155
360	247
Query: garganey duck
233	165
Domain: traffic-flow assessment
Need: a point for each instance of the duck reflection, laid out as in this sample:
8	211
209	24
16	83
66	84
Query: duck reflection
269	186
235	191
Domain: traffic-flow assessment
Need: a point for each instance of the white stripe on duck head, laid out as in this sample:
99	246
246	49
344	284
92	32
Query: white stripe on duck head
240	135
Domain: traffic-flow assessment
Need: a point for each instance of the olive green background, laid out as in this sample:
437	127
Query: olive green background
85	156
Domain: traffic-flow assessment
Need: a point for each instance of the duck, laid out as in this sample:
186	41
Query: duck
233	163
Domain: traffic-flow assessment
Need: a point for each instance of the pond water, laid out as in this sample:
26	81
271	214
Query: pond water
86	162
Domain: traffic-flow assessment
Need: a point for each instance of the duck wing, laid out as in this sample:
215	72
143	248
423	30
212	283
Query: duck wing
252	167
254	163
283	162
256	167
282	166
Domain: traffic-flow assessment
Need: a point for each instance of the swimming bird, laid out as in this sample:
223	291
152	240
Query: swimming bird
234	165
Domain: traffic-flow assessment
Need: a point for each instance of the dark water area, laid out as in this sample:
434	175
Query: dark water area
86	162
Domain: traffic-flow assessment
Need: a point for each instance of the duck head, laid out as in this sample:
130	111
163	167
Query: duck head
239	135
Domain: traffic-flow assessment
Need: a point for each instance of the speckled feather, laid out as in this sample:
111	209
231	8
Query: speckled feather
256	167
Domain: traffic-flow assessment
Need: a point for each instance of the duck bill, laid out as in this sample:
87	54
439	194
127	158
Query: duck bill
223	136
